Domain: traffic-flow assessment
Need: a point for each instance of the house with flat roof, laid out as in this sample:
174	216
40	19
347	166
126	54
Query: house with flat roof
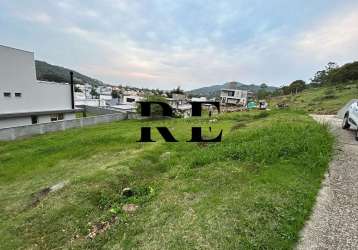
234	97
26	101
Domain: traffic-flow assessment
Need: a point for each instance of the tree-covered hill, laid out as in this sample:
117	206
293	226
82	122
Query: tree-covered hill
214	90
49	72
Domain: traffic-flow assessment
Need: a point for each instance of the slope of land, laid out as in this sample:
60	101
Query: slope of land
254	190
214	90
322	100
49	72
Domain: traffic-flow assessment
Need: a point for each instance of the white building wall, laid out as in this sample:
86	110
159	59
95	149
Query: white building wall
105	97
44	118
24	121
14	122
125	99
70	116
18	75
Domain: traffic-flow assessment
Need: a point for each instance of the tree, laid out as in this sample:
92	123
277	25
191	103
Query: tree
286	90
77	89
297	86
177	91
155	109
263	86
115	94
94	93
331	66
53	78
323	76
345	74
319	78
262	93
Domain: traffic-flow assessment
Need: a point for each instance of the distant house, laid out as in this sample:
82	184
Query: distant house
84	99
91	102
199	99
105	97
125	107
176	100
130	99
180	105
26	101
235	97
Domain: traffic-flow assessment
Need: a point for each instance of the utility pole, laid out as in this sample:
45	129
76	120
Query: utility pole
72	90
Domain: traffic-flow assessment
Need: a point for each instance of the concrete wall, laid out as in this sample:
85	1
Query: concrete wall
16	121
18	75
7	134
26	120
99	110
90	102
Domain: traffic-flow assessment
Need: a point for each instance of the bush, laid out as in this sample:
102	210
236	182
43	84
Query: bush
156	109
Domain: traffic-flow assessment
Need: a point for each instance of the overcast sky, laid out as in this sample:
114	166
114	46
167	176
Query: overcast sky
191	43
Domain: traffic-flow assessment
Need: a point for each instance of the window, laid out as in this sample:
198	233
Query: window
230	93
18	94
56	117
34	119
53	118
130	100
7	94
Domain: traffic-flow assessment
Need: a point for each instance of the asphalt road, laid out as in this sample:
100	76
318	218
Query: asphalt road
334	221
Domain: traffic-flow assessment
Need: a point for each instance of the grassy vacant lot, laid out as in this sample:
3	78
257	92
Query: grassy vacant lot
323	100
254	190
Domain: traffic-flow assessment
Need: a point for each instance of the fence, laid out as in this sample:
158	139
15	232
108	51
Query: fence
14	133
98	110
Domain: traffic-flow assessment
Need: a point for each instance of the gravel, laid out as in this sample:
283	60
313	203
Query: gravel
334	221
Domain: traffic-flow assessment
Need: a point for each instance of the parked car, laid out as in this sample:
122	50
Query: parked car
350	119
263	105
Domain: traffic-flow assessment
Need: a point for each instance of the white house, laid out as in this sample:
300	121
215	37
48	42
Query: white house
23	99
90	102
130	99
234	96
199	99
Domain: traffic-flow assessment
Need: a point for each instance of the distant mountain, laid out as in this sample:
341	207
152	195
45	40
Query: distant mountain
214	90
49	72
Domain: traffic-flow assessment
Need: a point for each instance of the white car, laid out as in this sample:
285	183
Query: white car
350	119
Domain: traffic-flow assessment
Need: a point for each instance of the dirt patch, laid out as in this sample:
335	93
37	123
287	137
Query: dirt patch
129	208
37	197
238	125
100	227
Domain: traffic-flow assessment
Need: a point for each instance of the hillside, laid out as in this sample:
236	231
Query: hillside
214	90
49	72
320	100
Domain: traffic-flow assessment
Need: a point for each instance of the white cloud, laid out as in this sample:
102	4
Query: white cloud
165	42
335	37
37	17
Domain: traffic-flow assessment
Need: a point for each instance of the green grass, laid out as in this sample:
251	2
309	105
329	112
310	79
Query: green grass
323	100
254	190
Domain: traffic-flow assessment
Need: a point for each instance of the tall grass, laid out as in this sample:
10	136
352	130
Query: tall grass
253	190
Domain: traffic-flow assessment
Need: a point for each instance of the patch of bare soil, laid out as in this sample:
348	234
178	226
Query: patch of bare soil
100	227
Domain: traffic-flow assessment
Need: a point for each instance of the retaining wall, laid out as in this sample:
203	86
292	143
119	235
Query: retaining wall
7	134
